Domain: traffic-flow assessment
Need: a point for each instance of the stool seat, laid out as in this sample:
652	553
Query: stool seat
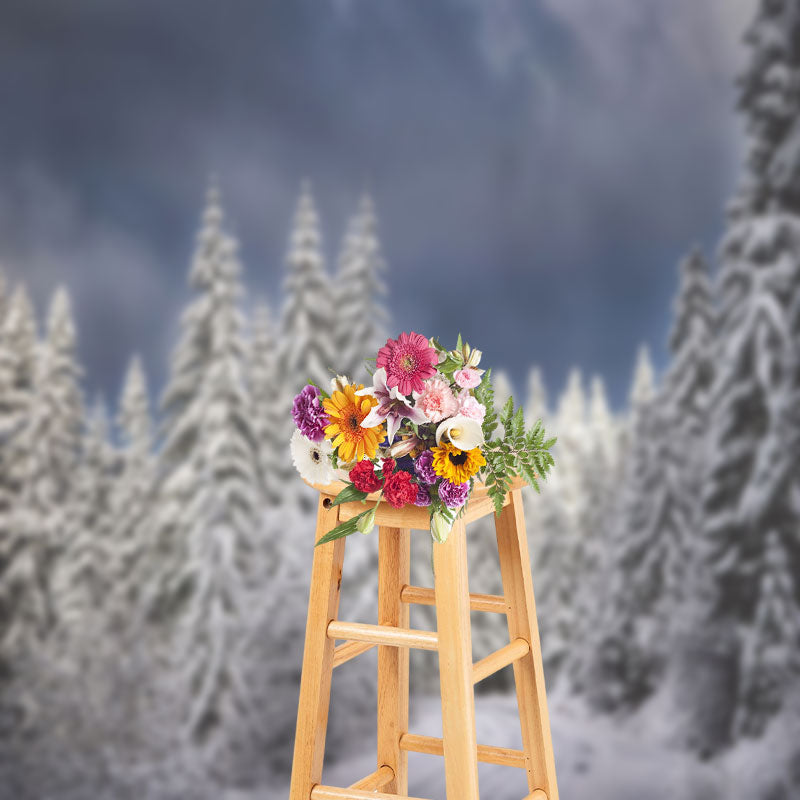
452	641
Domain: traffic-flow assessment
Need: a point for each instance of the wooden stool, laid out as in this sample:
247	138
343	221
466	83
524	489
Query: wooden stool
452	640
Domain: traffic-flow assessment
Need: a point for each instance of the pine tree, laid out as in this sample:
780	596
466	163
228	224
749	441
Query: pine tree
556	582
134	489
82	578
751	473
207	507
600	480
360	319
47	451
17	354
271	406
536	404
622	670
560	512
307	321
771	651
503	388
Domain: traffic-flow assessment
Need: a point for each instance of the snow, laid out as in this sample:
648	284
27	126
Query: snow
596	759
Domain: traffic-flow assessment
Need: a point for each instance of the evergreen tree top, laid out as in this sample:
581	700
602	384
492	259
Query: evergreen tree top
769	98
305	241
134	412
693	305
644	385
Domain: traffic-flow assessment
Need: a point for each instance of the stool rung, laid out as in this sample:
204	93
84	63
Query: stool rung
419	595
344	652
500	658
333	793
375	780
537	794
434	746
383	634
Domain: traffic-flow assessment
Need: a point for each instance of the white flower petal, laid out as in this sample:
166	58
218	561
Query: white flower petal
312	459
463	432
373	419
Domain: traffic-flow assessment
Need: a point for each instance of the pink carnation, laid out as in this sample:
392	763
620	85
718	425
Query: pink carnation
469	407
437	400
467	378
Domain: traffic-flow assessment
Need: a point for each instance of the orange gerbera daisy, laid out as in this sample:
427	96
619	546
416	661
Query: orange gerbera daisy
346	411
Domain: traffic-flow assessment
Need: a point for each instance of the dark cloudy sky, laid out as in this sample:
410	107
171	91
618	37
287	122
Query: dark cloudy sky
539	166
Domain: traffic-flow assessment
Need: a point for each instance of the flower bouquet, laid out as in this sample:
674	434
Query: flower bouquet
421	434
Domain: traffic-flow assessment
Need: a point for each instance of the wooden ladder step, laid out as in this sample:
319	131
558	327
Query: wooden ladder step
344	652
434	746
320	792
383	634
512	652
421	596
537	794
375	780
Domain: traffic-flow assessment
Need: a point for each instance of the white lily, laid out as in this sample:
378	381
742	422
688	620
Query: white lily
463	432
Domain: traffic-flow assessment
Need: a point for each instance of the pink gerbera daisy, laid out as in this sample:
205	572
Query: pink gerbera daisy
408	361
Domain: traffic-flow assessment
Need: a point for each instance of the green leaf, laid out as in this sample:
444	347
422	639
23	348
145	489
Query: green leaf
508	410
459	343
344	529
348	495
322	392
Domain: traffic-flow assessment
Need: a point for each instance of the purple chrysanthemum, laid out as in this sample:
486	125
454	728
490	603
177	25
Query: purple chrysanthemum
423	466
309	415
423	496
453	495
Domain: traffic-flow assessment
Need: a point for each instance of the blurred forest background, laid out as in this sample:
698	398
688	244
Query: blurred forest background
155	553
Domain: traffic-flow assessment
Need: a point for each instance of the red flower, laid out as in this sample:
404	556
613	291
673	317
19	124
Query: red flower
399	491
388	466
364	478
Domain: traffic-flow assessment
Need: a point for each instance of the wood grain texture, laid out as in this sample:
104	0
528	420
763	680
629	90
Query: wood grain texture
332	793
512	544
419	595
501	658
376	781
434	746
383	634
394	571
451	586
315	681
344	652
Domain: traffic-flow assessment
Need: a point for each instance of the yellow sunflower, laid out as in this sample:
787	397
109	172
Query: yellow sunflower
346	412
457	466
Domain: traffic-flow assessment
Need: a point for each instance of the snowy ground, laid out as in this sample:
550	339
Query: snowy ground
595	760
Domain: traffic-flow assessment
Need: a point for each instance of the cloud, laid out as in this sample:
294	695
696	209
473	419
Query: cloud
122	300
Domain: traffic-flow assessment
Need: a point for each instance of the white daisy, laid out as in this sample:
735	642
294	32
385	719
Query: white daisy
312	459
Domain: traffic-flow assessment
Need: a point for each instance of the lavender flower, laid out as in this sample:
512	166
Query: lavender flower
309	415
423	496
423	466
453	495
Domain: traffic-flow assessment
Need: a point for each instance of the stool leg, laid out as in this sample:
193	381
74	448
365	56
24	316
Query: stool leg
394	572
512	545
315	682
455	665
